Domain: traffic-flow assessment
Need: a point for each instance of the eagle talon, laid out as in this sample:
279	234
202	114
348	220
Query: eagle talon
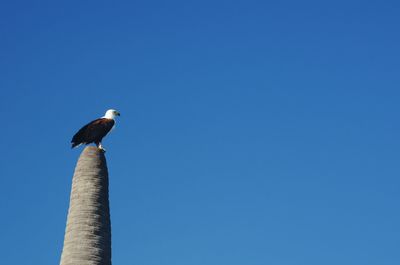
101	148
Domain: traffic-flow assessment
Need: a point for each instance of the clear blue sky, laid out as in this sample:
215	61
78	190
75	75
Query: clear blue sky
252	133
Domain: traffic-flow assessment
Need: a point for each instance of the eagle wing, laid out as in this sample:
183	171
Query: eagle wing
94	131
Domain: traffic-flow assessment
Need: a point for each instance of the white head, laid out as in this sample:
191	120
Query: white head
111	114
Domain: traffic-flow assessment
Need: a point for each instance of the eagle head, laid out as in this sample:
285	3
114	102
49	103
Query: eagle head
111	114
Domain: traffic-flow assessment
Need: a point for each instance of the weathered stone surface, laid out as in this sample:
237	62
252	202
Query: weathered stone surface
88	232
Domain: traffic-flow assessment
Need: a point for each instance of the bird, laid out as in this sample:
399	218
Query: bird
94	131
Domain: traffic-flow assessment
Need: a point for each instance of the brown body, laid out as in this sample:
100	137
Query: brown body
93	132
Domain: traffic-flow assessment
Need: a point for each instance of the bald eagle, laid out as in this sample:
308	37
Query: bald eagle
94	131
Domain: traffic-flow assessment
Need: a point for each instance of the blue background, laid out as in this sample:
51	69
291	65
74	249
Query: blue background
252	132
